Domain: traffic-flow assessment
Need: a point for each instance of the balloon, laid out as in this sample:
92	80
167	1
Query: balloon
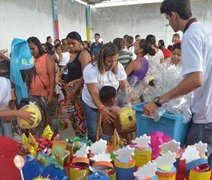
127	117
31	107
18	161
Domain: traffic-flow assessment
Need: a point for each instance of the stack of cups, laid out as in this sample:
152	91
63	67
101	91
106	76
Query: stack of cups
124	170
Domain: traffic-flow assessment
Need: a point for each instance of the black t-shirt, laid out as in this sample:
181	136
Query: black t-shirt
74	69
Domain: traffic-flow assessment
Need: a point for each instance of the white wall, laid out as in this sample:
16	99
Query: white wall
142	19
71	18
25	18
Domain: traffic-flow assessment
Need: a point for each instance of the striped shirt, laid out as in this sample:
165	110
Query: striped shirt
125	58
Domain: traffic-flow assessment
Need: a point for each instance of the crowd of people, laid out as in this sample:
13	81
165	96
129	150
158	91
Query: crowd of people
74	71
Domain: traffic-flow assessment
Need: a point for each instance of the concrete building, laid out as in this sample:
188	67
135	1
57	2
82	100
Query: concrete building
25	18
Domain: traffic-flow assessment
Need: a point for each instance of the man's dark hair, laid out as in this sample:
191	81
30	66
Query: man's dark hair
176	35
137	35
119	42
182	7
97	34
47	38
106	93
125	36
130	39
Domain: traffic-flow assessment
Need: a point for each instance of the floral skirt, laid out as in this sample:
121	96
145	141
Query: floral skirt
77	117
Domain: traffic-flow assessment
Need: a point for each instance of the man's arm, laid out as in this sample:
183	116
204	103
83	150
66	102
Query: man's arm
187	85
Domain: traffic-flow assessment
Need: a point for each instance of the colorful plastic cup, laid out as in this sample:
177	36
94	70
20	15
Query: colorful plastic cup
106	167
142	156
194	175
166	175
79	168
124	170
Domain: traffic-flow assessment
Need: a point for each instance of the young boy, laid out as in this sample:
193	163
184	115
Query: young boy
107	95
176	54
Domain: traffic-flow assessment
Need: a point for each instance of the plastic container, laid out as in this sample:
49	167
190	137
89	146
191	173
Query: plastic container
142	156
79	169
193	175
106	167
124	170
170	124
166	175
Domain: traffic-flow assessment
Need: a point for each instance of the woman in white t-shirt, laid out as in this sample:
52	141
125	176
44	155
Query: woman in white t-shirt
104	70
157	56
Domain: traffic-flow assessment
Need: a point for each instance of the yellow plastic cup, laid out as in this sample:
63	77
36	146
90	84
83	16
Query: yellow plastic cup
166	175
193	175
142	156
79	174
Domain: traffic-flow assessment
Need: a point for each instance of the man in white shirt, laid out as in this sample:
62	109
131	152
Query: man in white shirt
196	70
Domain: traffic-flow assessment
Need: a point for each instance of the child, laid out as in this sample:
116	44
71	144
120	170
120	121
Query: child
107	95
176	54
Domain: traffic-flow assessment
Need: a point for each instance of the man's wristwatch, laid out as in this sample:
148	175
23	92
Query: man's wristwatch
157	101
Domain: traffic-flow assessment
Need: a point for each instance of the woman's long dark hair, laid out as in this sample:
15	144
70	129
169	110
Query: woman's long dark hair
27	76
37	43
147	47
74	35
152	41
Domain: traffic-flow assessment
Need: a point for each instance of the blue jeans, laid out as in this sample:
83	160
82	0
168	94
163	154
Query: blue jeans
91	117
201	132
6	128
